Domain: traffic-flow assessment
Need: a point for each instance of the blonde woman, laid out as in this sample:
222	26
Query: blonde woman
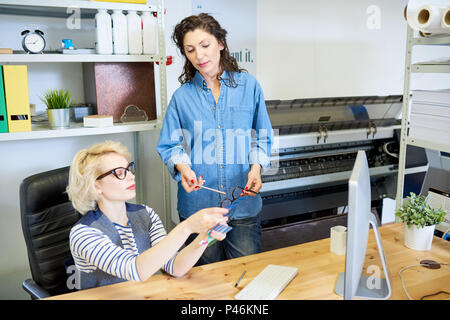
115	240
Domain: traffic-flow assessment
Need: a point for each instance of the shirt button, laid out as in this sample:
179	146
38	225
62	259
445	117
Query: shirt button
214	108
219	126
222	186
221	166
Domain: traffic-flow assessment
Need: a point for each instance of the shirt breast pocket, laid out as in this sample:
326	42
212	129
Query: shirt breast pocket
241	117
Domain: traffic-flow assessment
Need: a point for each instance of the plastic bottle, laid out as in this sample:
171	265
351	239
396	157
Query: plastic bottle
103	32
119	32
149	32
134	33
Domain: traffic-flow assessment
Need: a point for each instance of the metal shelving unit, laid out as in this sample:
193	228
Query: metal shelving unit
428	67
143	132
60	8
88	9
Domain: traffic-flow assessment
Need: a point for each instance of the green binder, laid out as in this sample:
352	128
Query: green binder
3	116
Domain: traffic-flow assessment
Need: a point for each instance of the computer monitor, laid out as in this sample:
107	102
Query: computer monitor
352	283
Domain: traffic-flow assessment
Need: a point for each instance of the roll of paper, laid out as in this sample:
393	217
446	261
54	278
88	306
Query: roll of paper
428	17
411	12
445	21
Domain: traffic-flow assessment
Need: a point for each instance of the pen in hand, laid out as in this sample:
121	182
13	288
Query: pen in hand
210	189
240	278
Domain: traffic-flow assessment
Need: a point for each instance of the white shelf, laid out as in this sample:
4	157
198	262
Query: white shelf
55	57
441	66
42	131
431	68
62	5
428	144
436	40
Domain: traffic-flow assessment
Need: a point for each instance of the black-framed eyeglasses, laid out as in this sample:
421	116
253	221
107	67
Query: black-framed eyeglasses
120	172
236	196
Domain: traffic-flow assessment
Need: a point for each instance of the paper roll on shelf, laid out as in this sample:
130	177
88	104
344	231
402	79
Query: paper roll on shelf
411	12
445	21
428	17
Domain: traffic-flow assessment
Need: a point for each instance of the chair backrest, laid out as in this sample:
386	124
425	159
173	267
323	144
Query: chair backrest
47	216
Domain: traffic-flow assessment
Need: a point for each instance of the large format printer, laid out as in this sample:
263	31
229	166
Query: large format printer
315	145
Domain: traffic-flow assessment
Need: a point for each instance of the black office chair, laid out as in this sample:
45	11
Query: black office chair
47	216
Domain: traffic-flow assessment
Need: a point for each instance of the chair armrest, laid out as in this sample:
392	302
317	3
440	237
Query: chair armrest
35	291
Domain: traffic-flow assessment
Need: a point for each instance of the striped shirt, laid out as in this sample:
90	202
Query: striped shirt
92	249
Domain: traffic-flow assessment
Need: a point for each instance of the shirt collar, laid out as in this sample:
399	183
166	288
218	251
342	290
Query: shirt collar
200	82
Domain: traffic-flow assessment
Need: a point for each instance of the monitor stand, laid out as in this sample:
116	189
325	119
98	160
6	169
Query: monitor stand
383	289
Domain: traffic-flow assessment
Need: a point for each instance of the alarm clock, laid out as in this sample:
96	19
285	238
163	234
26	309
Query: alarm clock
33	42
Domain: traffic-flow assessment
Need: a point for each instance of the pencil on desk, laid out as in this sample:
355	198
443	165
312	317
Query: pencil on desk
240	278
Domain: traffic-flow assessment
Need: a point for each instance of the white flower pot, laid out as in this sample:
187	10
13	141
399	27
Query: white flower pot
419	238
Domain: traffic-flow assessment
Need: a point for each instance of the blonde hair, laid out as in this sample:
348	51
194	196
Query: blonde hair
84	171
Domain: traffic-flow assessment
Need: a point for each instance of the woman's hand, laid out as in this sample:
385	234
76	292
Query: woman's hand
254	181
203	220
189	178
219	236
200	222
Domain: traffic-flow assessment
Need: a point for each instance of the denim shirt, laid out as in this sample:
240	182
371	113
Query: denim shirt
217	140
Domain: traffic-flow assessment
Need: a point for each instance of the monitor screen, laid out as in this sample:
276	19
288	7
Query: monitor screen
359	201
352	283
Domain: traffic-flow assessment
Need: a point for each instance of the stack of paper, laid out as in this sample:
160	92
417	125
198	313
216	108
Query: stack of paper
430	115
98	121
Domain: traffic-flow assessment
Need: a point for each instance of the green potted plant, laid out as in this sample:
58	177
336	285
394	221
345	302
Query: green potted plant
420	220
58	103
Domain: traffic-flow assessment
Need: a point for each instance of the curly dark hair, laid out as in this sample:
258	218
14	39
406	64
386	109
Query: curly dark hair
209	24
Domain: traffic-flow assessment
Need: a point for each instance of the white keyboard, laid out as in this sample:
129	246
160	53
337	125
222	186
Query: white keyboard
268	284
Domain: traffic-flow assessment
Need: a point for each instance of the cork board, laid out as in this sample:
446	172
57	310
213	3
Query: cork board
112	86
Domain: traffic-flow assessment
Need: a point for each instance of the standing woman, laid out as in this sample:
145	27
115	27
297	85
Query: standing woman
216	133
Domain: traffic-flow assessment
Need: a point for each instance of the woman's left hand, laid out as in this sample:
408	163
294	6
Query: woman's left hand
254	181
219	236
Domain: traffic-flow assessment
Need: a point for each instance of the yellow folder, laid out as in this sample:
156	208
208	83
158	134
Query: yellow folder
15	80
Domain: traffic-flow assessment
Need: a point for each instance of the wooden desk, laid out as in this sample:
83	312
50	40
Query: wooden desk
316	279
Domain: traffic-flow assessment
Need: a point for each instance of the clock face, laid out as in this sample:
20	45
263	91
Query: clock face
33	43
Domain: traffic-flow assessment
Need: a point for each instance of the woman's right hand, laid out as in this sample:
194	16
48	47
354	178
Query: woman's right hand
205	219
188	178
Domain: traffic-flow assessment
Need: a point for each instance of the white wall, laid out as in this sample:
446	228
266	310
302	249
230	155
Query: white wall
323	48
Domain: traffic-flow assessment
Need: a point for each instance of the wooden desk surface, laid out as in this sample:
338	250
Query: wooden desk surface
316	279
